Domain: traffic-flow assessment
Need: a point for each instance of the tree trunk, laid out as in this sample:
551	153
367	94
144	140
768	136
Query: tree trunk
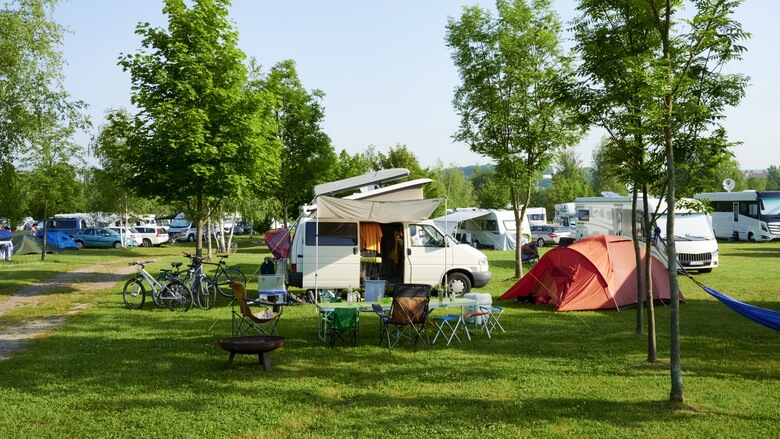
640	285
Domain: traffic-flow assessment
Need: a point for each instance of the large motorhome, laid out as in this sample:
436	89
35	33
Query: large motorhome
485	228
697	248
339	243
566	215
746	215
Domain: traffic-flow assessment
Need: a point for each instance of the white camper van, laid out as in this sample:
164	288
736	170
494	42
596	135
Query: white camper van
340	243
485	228
697	248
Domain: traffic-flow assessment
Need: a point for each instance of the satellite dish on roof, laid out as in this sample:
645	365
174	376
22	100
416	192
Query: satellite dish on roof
728	184
630	187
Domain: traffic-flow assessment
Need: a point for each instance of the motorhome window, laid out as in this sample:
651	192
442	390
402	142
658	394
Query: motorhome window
489	225
332	234
583	215
749	209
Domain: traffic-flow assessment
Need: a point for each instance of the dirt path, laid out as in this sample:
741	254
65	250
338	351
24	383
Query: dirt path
95	277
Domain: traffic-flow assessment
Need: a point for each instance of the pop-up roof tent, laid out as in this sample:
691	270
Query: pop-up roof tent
598	272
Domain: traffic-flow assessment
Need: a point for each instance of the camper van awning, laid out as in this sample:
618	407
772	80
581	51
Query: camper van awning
376	211
451	220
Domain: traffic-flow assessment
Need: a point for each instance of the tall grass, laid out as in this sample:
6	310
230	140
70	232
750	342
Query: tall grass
111	372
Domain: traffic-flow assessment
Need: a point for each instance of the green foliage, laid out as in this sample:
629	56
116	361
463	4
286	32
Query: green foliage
584	374
307	155
512	71
201	131
773	178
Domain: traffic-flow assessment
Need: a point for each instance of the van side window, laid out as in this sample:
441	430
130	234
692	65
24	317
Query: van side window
332	234
583	215
423	235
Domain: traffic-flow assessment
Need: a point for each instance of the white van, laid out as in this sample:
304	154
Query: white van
697	248
341	243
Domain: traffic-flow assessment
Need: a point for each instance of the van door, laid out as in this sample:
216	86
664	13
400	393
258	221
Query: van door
426	255
331	259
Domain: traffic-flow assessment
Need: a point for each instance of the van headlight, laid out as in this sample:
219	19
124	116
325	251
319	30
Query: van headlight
483	262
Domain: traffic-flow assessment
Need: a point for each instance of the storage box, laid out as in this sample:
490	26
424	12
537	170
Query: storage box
271	288
374	290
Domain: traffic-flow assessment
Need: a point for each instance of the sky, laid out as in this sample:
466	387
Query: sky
384	67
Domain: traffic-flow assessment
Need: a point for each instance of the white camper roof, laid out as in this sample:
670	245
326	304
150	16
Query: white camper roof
353	183
408	190
375	211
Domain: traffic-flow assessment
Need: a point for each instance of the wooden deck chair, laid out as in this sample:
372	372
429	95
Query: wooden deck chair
408	315
245	320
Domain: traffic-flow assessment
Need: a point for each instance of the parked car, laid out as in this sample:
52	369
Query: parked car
100	237
238	229
130	233
151	235
549	234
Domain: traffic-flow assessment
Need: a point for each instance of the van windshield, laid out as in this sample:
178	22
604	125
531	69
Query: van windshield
180	223
689	226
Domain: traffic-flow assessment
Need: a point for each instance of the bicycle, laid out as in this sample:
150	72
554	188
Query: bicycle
204	288
224	275
174	294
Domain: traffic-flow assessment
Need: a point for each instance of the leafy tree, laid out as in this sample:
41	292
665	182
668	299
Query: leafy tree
451	183
37	116
512	67
661	77
756	183
350	165
307	156
773	178
197	110
605	173
490	192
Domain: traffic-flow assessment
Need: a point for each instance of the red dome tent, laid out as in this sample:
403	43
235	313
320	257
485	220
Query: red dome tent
598	272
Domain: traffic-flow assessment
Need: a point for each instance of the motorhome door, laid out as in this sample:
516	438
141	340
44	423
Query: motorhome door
425	255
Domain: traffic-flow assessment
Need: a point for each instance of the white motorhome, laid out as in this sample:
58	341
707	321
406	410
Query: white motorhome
746	215
566	215
537	216
697	248
340	243
485	228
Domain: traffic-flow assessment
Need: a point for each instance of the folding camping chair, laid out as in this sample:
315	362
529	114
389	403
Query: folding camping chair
342	324
408	315
244	319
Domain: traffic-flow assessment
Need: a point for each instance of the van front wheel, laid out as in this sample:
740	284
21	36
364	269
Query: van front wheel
459	283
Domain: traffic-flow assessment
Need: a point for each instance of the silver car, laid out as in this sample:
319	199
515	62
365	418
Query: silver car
549	234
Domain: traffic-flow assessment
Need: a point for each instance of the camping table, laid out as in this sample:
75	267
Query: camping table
326	307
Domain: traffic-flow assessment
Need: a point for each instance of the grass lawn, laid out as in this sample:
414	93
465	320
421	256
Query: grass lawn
112	372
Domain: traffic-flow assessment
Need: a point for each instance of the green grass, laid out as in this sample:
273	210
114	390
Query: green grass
111	372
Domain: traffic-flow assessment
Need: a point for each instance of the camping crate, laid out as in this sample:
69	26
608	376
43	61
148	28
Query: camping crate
271	288
374	290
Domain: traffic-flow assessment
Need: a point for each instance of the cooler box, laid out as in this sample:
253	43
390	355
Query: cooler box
271	288
374	290
483	299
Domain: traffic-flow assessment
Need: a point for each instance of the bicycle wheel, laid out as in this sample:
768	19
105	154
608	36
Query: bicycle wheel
233	246
225	277
207	292
177	296
162	279
134	294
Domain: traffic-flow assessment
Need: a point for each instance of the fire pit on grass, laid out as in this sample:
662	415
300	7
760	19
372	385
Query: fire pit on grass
256	344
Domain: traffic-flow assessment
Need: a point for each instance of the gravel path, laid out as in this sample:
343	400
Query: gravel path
95	277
